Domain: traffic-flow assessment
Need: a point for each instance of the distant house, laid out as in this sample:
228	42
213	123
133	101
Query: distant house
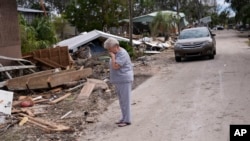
30	14
94	39
142	22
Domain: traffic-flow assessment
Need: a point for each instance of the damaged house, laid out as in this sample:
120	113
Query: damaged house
91	41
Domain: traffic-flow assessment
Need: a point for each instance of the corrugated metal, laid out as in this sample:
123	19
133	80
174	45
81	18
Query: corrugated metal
149	17
21	9
85	38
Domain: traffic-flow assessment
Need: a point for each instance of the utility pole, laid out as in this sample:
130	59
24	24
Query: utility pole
130	22
43	7
178	16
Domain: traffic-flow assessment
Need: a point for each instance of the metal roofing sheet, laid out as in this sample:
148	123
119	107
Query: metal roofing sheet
29	10
84	38
149	17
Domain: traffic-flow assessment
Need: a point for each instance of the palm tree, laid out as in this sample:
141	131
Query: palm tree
40	34
163	24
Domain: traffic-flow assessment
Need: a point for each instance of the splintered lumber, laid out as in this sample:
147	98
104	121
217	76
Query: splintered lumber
7	73
48	79
9	68
2	84
28	111
14	59
86	91
19	83
56	90
70	76
74	88
46	125
33	83
60	98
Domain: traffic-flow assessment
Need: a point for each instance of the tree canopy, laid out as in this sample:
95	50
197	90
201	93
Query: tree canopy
95	14
241	8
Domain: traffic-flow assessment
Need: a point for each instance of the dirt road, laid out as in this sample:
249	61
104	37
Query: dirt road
195	100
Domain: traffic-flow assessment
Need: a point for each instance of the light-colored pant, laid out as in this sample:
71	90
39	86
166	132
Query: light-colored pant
124	91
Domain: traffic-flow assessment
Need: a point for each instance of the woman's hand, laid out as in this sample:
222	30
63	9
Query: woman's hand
114	64
112	55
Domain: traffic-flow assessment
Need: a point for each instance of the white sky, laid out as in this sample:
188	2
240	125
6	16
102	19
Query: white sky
225	5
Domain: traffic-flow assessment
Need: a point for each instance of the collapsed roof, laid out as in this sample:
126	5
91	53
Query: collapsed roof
84	38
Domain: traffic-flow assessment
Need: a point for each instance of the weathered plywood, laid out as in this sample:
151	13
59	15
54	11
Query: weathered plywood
52	57
49	63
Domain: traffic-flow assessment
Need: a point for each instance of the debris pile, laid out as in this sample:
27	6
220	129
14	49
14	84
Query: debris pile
52	98
52	93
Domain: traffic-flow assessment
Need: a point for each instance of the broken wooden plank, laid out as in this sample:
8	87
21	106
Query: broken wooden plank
14	59
47	80
28	111
60	79
60	98
86	91
19	83
74	88
7	73
3	83
9	68
19	62
99	84
46	125
44	83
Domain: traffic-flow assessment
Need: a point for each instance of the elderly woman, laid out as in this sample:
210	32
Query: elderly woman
122	76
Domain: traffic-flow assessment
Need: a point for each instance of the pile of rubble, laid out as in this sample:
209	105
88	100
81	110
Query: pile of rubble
49	91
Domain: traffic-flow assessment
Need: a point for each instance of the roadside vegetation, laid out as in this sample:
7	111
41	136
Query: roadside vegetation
102	15
39	34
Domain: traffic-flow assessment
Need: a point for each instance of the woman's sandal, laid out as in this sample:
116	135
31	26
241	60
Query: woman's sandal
123	124
119	122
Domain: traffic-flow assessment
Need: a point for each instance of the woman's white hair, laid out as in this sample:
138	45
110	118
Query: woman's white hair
110	42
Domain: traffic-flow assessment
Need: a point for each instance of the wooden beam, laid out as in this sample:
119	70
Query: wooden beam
2	84
9	68
48	126
19	62
86	91
19	83
14	59
43	82
60	98
6	73
60	79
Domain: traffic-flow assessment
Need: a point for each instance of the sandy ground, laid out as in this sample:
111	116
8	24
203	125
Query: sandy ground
195	100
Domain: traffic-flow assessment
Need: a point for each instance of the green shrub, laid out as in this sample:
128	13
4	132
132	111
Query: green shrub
39	34
128	48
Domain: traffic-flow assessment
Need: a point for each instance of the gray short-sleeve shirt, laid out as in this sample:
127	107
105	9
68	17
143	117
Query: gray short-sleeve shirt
125	73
